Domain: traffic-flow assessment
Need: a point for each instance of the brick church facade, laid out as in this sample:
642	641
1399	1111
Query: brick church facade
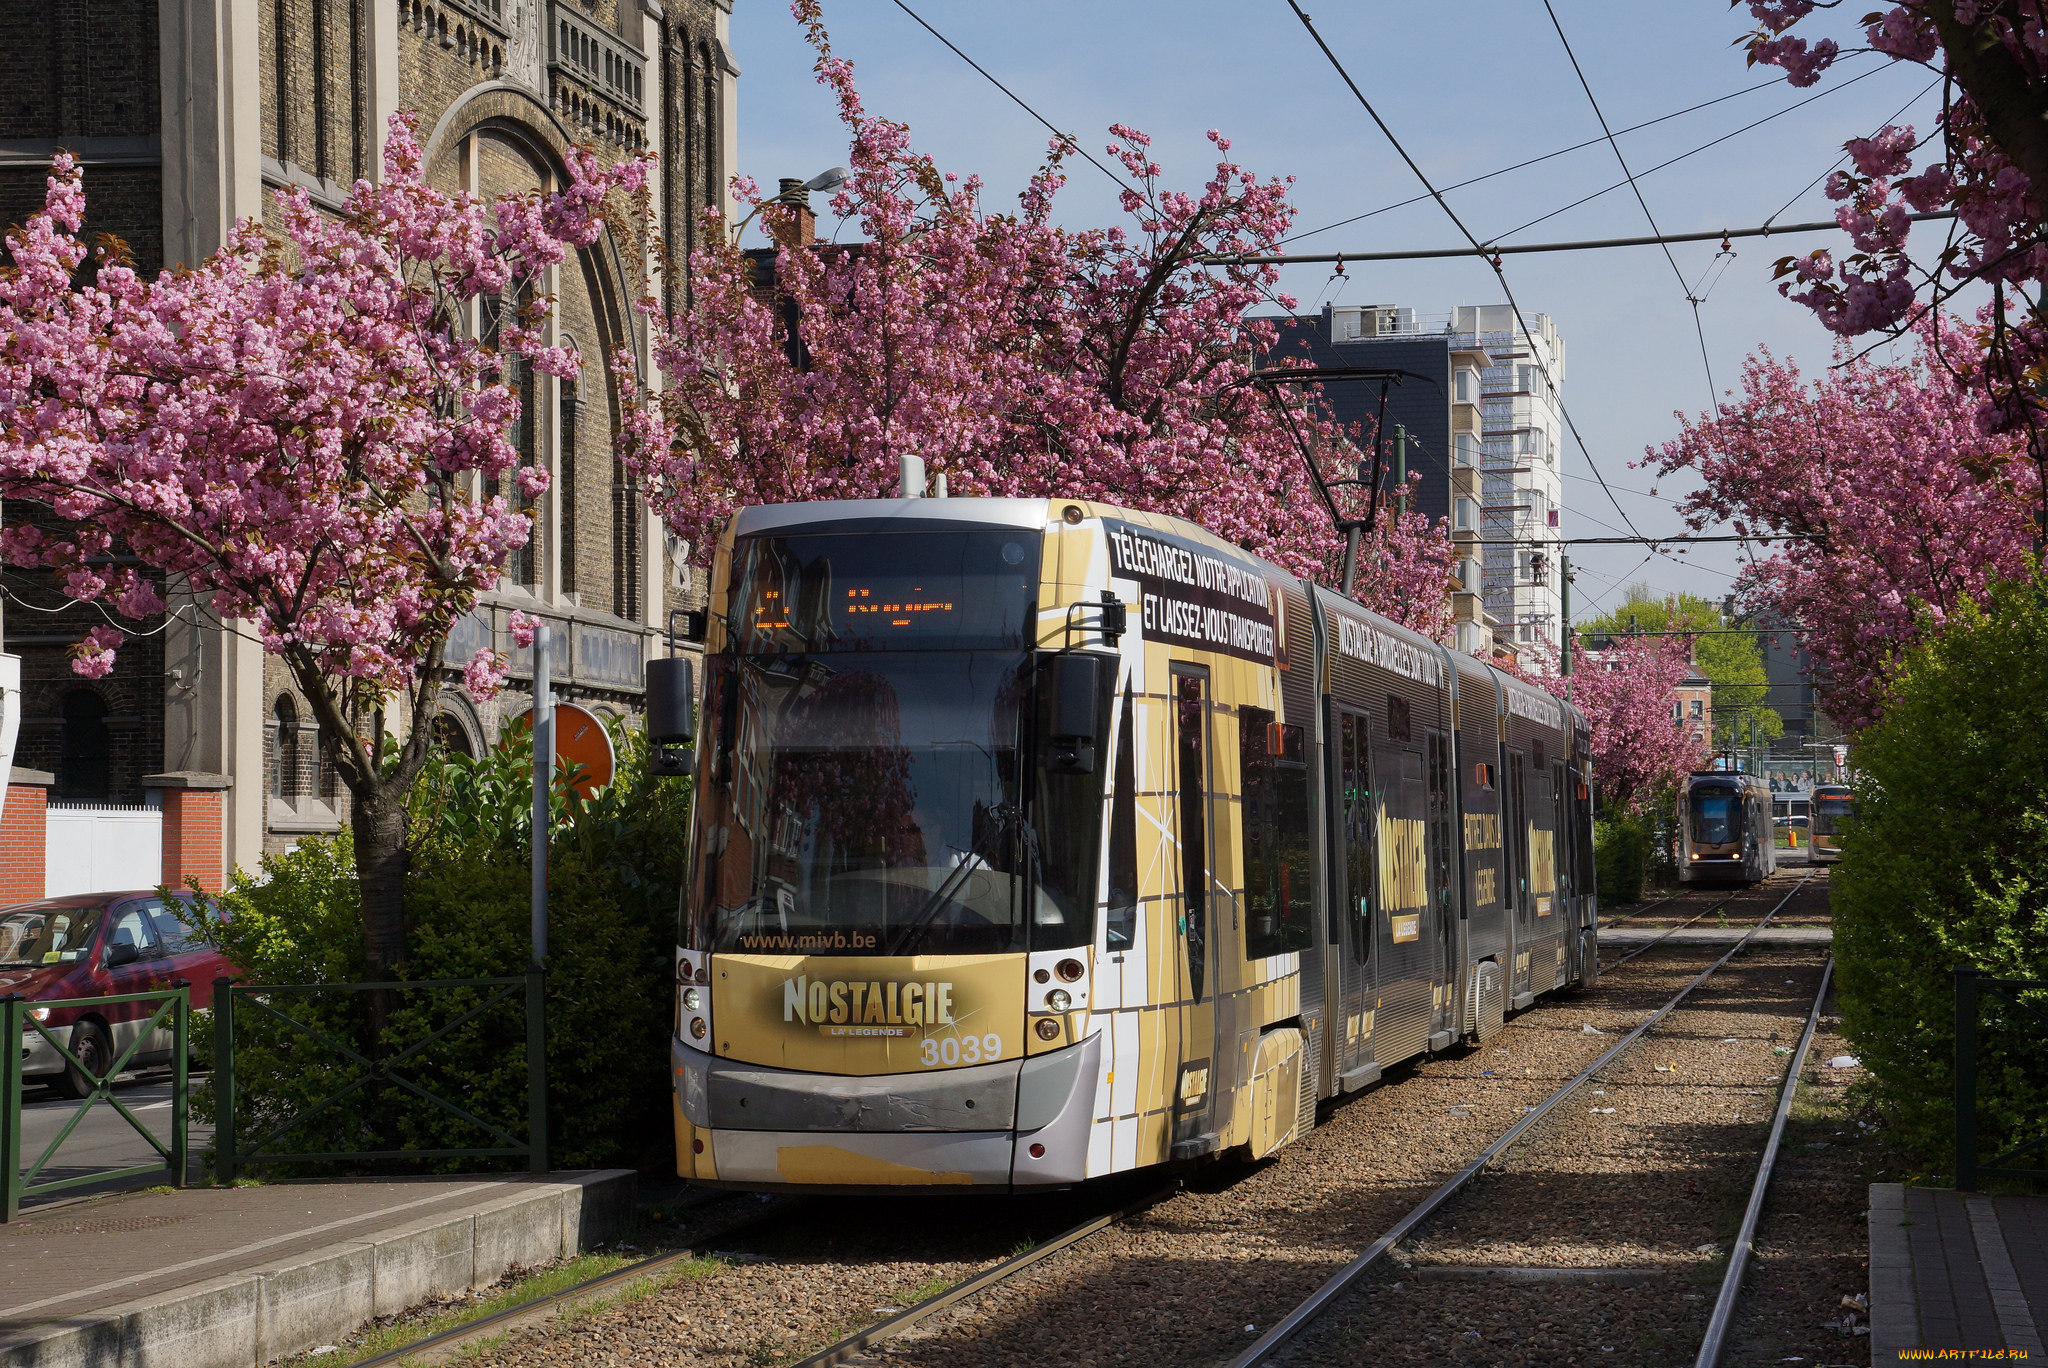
187	115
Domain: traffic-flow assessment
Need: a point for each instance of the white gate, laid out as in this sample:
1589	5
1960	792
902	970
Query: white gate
102	848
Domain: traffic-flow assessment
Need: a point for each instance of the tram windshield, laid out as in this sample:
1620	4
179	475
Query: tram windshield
873	795
1716	816
1831	810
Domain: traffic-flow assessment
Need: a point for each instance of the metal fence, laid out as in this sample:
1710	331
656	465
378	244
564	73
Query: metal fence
19	1015
356	1074
1971	990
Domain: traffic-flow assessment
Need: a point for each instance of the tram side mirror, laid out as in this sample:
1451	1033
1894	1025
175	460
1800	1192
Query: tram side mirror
671	715
1075	685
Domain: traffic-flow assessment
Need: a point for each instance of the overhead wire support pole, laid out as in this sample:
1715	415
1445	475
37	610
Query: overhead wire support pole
1511	249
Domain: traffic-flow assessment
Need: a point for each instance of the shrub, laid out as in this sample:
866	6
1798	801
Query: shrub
614	871
1947	865
1621	856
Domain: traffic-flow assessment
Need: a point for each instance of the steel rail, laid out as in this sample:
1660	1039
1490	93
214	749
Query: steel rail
1651	945
861	1341
1318	1301
1616	921
588	1287
1745	1239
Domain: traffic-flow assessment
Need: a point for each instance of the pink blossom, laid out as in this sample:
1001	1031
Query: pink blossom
1894	500
1017	357
1639	748
485	674
94	656
522	624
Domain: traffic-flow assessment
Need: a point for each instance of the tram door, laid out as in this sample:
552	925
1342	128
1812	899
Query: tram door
1351	882
1442	889
1519	899
1405	921
1194	1099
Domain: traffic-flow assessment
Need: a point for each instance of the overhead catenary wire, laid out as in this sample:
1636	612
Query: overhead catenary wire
1542	361
1513	249
1845	156
1682	156
1547	156
1015	98
1713	394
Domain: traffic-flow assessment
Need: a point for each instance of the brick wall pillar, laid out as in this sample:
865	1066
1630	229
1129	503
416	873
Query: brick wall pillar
23	832
194	835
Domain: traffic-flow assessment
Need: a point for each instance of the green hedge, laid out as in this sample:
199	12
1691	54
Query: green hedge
613	878
1947	865
1622	848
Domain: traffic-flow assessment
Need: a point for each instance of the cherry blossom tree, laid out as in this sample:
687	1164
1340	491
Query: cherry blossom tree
1013	355
1639	748
1986	161
307	433
1896	503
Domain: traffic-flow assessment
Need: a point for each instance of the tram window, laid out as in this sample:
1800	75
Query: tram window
1715	818
1440	816
1190	724
1273	822
1122	927
1355	811
1536	756
826	591
1067	817
1397	717
872	806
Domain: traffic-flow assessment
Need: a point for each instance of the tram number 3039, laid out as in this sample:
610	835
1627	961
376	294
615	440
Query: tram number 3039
961	1050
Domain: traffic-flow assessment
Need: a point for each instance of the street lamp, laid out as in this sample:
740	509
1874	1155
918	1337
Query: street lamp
797	194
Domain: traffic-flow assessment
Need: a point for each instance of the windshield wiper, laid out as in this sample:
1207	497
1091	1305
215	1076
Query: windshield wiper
1004	816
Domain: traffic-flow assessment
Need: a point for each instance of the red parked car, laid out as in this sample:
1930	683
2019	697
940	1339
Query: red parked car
100	945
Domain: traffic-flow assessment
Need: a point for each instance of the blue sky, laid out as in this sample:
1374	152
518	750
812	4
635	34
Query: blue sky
1468	89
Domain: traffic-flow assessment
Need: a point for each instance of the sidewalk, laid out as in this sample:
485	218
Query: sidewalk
1957	1271
234	1277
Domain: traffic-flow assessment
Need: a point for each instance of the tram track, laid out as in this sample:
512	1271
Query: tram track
1321	1305
1369	1144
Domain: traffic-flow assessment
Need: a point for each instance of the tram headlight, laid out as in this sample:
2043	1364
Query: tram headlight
698	1029
693	1000
1048	1029
1059	1000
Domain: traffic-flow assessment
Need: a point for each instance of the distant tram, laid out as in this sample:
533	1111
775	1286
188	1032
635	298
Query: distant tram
1725	832
1833	806
1041	840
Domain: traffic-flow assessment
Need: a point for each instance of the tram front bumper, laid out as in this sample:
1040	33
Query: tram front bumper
1019	1123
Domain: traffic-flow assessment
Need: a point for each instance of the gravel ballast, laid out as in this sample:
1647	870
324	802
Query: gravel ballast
1642	1186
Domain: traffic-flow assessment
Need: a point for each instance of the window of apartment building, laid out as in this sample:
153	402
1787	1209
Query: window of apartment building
1699	709
1467	383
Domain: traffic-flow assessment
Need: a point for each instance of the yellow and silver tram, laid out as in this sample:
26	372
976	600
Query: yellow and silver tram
1725	830
1039	840
1834	806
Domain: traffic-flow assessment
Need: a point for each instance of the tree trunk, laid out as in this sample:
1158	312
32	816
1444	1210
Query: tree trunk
378	822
